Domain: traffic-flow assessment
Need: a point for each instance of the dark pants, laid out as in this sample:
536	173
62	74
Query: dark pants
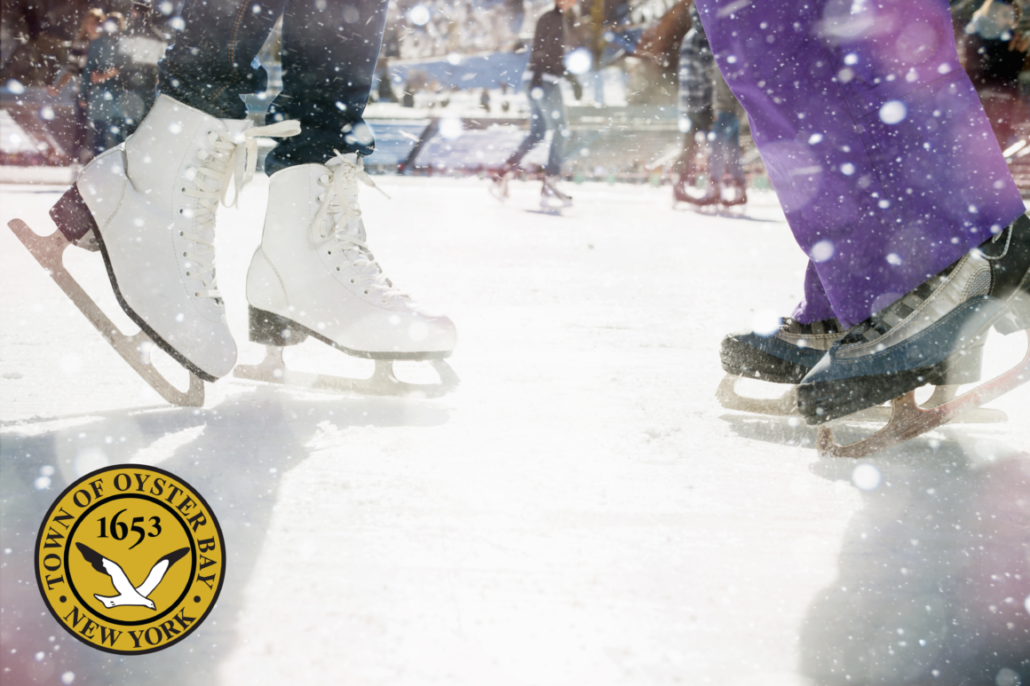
328	57
546	112
106	134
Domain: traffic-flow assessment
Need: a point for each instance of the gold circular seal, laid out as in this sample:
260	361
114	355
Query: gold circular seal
130	559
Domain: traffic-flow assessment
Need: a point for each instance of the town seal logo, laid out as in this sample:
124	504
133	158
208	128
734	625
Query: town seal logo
130	559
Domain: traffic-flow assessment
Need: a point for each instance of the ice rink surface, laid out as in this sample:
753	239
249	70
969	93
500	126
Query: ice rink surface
580	511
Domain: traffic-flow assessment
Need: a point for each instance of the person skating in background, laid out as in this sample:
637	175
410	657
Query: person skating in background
90	29
101	86
725	168
149	205
547	108
709	113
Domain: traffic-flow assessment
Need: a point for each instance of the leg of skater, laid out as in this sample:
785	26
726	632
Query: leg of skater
546	67
889	176
313	274
695	110
537	129
554	110
727	171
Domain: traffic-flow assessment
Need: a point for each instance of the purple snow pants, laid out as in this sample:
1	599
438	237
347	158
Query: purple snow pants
874	139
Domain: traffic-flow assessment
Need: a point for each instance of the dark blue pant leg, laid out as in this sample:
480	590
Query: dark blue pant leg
211	64
537	131
329	57
554	109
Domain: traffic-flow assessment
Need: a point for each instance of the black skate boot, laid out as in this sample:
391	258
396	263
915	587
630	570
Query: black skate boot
784	357
933	334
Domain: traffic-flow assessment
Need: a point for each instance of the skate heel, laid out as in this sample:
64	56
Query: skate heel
271	329
1018	317
74	220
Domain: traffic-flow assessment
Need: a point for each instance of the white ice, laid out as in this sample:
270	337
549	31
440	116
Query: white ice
580	511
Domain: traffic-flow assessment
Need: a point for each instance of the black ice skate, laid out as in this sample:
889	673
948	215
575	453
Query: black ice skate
788	355
933	332
785	357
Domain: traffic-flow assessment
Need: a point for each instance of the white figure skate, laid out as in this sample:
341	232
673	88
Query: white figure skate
149	207
313	275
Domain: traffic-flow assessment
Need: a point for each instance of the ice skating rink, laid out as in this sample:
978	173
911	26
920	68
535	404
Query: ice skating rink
580	512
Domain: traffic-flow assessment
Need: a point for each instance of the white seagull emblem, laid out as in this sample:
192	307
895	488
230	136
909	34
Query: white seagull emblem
127	593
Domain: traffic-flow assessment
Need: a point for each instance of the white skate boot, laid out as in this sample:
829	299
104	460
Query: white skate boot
313	275
149	206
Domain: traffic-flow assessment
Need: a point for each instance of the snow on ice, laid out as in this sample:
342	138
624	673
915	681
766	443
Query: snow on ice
580	511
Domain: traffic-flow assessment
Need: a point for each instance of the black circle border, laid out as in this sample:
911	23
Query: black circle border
93	474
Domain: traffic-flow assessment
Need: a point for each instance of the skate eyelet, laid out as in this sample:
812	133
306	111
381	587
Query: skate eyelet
182	233
352	280
321	197
366	292
184	254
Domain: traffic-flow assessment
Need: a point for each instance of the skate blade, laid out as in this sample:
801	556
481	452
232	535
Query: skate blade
908	420
273	369
787	406
135	350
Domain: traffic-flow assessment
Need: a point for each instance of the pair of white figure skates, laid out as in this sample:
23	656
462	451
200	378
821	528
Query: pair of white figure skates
149	207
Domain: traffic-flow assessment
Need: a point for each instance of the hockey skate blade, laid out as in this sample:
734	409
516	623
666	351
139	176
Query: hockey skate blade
908	420
273	369
787	406
135	350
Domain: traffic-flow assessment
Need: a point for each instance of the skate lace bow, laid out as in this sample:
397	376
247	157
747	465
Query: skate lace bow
226	156
339	203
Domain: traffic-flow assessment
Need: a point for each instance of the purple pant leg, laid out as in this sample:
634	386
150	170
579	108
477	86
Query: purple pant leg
874	139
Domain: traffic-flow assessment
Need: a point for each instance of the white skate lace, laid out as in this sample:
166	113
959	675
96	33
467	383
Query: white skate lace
1008	243
338	207
227	156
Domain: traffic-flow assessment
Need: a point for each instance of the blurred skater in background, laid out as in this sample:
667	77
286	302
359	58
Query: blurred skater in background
710	120
547	108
